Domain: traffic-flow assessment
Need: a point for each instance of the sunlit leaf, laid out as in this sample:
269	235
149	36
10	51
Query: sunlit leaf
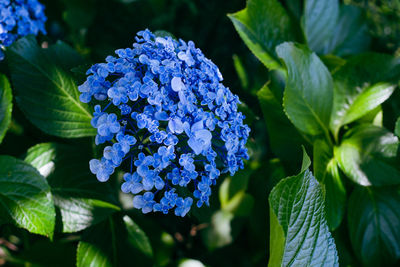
46	91
299	229
263	25
25	197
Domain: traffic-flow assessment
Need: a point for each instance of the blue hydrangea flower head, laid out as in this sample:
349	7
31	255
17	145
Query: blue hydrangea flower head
160	107
19	18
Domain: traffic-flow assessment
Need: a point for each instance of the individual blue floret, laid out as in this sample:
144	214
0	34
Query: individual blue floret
161	106
19	18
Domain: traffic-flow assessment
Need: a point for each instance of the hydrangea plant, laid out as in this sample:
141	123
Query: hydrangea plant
19	18
160	106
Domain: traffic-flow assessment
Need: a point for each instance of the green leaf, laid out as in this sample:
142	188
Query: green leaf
367	156
351	34
373	220
397	127
89	255
319	22
45	91
309	89
81	199
25	197
5	105
361	85
263	25
299	229
283	136
327	172
137	237
110	243
359	104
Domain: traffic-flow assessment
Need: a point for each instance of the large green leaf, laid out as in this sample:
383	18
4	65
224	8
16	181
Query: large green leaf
263	25
5	105
318	22
362	84
299	230
283	136
374	220
114	243
25	197
309	89
367	156
82	200
46	91
351	35
327	172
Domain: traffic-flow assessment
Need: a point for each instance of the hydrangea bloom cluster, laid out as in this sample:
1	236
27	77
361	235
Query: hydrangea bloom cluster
19	18
160	107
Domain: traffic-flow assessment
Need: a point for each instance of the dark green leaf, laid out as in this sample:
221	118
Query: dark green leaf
351	35
111	244
367	156
299	230
5	105
319	22
295	7
65	56
25	197
45	91
362	84
374	219
46	253
82	200
309	89
326	171
283	136
397	127
263	25
137	237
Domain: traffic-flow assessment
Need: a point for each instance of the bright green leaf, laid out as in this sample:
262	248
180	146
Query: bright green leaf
327	172
89	255
367	156
263	25
46	91
369	99
318	22
361	85
360	104
5	105
373	220
309	89
300	231
82	200
25	197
